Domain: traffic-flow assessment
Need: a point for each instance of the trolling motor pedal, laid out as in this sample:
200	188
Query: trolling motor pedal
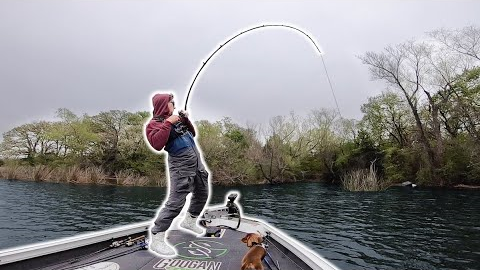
224	216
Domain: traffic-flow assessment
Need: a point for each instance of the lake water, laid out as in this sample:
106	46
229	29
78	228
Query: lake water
395	229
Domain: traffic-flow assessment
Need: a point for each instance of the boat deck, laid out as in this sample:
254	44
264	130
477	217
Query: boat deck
204	253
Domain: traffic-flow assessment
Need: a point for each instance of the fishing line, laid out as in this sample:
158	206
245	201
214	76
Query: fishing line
256	28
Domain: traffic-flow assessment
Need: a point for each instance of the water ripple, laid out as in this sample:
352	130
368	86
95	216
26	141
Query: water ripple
395	229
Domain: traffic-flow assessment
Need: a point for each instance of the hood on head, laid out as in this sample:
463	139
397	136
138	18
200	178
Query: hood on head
160	105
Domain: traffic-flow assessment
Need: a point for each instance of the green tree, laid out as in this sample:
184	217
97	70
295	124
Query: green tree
28	141
386	117
227	147
76	135
110	127
462	111
134	153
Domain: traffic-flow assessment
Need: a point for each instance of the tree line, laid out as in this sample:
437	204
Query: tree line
427	123
424	127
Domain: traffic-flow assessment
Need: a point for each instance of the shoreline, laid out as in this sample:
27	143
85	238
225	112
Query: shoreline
113	182
110	183
96	176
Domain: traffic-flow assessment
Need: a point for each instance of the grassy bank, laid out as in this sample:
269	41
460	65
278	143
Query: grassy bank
77	175
363	180
97	176
355	180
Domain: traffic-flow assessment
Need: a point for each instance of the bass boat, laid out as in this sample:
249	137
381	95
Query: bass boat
126	247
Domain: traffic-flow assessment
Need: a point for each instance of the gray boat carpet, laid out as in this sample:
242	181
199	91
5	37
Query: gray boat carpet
195	253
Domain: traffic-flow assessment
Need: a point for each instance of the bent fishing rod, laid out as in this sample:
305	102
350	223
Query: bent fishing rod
256	28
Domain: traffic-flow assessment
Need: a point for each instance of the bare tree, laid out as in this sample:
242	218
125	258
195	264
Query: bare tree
405	67
465	41
459	52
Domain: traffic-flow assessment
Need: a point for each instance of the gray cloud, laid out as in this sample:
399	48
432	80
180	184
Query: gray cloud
92	56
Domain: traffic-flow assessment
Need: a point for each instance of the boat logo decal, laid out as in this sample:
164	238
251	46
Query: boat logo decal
179	264
201	249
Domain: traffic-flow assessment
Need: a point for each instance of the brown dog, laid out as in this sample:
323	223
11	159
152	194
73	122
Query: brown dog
253	259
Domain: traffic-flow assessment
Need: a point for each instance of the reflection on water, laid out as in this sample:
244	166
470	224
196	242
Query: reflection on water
395	229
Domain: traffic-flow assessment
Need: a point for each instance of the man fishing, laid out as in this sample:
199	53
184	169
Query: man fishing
187	174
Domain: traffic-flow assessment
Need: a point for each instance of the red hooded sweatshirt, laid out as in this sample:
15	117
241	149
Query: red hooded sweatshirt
158	132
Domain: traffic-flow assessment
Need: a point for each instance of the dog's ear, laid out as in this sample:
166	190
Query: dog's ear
249	239
245	239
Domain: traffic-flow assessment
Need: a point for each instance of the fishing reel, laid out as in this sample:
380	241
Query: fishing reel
182	114
180	128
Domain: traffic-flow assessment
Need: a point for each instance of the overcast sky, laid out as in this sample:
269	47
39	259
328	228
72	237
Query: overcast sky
93	56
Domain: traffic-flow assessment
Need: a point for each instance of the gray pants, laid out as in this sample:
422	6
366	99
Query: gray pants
187	175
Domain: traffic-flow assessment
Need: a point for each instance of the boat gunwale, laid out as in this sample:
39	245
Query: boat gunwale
27	252
23	253
300	250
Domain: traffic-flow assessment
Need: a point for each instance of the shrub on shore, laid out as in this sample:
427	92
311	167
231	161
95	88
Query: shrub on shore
40	173
128	178
76	175
9	172
363	180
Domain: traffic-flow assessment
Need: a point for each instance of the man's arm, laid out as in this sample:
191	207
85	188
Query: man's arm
158	133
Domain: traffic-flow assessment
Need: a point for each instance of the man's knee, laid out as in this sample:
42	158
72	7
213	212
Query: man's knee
176	202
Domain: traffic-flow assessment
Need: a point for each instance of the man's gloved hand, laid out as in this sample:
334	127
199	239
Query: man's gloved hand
183	113
173	119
